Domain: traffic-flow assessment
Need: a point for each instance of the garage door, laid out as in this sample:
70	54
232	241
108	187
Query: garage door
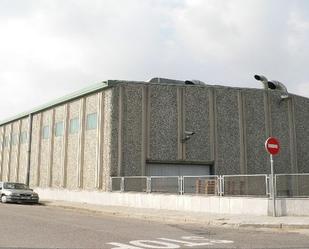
177	170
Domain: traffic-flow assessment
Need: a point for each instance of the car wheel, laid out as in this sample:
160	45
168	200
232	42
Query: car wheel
3	199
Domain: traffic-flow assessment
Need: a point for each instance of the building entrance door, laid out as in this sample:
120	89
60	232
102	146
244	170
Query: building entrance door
177	170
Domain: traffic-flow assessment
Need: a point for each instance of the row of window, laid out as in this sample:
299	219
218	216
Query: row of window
91	123
15	137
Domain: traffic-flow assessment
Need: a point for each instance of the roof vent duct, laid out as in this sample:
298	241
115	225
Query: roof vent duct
195	82
273	85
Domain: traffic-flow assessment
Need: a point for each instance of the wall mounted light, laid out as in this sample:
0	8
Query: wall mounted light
187	136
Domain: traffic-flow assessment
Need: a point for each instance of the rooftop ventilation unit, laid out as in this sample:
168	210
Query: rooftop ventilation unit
171	81
165	81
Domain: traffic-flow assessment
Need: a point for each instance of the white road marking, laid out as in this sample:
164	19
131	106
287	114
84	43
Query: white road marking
122	246
200	238
154	244
187	241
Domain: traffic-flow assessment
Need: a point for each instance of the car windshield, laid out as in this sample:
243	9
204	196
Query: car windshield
12	185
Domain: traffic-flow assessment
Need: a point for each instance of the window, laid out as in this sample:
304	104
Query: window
23	137
59	129
91	121
14	139
74	125
45	132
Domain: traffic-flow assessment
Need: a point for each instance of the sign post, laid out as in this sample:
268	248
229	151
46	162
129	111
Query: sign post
272	147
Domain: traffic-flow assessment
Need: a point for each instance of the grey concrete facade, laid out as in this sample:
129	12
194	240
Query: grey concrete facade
134	125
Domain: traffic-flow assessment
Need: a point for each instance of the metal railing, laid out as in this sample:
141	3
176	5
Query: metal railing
116	184
245	185
209	185
259	185
135	183
292	185
129	183
165	184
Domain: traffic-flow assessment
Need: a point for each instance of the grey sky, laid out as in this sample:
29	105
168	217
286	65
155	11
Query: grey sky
51	48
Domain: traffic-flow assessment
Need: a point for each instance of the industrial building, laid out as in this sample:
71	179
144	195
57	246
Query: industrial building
159	127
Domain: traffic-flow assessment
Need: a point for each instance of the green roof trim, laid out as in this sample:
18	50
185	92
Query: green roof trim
66	98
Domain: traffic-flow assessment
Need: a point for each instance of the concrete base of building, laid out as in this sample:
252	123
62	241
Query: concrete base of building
207	204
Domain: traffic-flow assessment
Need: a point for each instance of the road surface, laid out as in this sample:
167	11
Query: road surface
39	226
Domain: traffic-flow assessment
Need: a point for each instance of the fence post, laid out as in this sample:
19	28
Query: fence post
221	185
267	185
180	185
275	184
148	185
110	185
183	184
122	184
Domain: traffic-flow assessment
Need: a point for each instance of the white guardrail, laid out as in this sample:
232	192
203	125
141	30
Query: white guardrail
219	185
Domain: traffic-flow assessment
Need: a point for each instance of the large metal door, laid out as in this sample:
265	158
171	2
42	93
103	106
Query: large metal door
177	170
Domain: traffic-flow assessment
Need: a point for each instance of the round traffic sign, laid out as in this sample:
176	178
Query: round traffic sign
272	145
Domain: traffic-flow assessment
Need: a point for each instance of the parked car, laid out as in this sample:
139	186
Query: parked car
17	192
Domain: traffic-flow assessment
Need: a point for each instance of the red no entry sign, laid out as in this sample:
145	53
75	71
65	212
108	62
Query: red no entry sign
272	145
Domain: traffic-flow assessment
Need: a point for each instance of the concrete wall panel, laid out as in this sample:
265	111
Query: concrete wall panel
255	132
163	123
132	130
302	132
108	115
112	103
280	130
45	149
58	149
3	152
6	153
35	159
72	150
228	133
1	149
90	146
23	154
198	148
14	151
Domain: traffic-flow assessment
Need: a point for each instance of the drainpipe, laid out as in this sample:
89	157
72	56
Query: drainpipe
29	148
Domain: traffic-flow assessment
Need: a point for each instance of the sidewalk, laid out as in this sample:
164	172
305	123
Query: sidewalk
239	221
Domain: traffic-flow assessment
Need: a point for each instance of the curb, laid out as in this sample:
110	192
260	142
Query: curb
177	219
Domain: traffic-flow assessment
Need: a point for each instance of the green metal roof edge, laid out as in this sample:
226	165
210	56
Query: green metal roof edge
66	98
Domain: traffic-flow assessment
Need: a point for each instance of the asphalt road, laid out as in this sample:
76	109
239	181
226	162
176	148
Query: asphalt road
38	226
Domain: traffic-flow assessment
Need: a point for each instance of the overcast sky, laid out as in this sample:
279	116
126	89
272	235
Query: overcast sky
49	48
